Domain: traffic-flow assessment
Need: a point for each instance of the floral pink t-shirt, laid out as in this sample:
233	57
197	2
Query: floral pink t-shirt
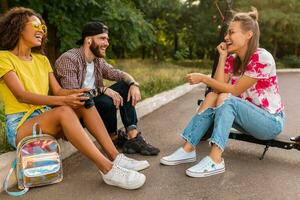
265	92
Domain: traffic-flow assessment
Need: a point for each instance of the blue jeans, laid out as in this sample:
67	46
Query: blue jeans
12	121
237	113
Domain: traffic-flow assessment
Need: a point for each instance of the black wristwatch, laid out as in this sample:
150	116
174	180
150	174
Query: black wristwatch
134	83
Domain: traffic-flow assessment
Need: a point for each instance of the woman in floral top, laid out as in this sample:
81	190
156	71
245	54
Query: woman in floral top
245	96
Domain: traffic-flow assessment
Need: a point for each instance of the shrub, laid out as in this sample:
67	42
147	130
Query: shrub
291	61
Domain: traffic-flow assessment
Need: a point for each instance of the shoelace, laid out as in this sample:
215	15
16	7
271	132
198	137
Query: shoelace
208	164
121	171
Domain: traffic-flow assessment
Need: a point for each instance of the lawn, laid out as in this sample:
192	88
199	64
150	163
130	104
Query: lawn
154	77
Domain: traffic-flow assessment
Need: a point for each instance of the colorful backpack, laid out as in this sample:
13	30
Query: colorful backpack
38	162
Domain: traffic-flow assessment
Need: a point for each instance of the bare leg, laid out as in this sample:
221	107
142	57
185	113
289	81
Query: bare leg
209	102
216	154
95	125
63	119
132	134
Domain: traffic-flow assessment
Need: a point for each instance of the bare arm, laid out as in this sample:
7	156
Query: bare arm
219	73
14	84
242	85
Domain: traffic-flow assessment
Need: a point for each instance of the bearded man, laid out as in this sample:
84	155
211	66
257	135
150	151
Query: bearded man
85	67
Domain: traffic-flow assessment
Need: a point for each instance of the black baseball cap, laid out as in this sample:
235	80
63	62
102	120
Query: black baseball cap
92	28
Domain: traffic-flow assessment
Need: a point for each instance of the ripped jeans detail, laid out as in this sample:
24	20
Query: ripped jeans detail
233	112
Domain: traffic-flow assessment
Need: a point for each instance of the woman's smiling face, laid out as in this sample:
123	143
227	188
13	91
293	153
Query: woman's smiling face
237	39
33	32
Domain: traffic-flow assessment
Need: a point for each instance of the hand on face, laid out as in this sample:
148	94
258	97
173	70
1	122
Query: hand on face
222	49
134	95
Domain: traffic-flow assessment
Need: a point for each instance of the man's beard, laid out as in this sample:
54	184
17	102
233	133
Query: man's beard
95	49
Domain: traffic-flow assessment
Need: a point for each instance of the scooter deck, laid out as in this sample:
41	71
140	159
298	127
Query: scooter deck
281	141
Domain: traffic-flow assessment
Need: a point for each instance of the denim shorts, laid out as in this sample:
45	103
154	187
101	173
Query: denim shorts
12	122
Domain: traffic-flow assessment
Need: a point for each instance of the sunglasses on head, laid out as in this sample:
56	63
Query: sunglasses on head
39	27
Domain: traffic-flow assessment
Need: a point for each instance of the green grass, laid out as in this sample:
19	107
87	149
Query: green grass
4	146
153	76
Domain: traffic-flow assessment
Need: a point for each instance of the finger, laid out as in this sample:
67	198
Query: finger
115	101
79	103
83	90
133	100
82	98
128	96
79	94
121	101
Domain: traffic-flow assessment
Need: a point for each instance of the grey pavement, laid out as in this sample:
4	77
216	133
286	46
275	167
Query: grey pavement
246	177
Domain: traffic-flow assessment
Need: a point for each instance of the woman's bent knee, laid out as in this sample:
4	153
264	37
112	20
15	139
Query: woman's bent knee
65	111
221	98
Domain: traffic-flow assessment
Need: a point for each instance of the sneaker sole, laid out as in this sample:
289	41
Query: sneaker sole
128	187
177	162
142	167
204	174
144	153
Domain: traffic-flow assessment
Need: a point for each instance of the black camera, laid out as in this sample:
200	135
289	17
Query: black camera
91	94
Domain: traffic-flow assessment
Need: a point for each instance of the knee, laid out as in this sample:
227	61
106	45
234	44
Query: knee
212	95
65	112
107	106
221	98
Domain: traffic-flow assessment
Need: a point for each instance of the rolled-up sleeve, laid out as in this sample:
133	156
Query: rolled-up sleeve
110	73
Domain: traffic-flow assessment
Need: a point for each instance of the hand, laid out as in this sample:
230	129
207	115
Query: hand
194	78
222	49
134	94
81	90
116	97
75	100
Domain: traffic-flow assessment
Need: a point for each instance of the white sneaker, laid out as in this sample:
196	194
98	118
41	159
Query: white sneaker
124	178
130	163
178	157
206	167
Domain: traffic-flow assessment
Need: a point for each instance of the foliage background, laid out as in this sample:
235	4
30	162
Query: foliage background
162	34
161	29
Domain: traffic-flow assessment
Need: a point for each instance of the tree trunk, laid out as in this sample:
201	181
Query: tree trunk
143	52
175	43
190	51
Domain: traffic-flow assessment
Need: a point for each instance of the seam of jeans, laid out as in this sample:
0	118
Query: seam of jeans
188	140
131	127
212	141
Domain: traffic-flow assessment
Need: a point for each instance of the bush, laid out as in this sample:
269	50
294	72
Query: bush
291	61
181	54
200	63
4	146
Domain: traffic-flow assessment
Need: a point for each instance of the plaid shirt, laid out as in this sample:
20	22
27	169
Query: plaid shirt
70	70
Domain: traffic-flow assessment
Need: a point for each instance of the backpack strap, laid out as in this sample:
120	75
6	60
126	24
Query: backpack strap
34	128
5	184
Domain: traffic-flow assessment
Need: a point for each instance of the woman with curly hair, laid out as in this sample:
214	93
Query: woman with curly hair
245	95
26	77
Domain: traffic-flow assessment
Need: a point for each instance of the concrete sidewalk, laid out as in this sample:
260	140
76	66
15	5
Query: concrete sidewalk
246	177
143	108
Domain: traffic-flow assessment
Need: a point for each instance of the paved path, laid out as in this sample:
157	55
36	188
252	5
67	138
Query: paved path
246	177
